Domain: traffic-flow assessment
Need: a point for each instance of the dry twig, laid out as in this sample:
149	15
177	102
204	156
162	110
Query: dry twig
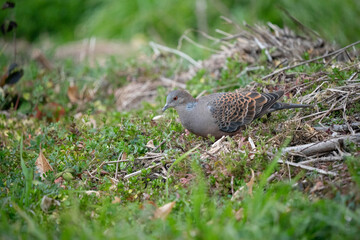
308	168
311	60
322	147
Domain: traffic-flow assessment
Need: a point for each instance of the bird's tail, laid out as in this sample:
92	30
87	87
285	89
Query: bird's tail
280	106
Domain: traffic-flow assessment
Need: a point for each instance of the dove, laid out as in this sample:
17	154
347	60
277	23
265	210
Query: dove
224	113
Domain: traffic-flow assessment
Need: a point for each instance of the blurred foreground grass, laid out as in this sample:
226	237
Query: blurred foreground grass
165	21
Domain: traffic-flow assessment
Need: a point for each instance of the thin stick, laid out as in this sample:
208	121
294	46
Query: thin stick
157	147
352	76
248	69
91	176
116	171
110	162
324	159
289	171
345	117
263	47
272	176
307	168
232	185
139	172
322	147
327	112
299	24
156	48
314	114
117	165
199	45
228	20
102	164
223	33
309	61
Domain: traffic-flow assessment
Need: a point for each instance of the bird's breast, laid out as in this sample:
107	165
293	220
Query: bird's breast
197	119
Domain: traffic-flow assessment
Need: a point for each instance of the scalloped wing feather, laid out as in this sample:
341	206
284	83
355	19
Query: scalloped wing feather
235	109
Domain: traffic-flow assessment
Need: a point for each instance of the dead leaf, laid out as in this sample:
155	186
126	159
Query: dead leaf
145	196
252	144
116	200
73	94
217	148
239	214
157	118
47	203
251	182
241	142
163	211
238	194
42	165
318	186
150	144
51	111
60	181
89	192
152	203
114	183
41	59
89	122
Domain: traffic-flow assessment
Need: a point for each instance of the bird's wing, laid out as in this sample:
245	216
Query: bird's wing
235	109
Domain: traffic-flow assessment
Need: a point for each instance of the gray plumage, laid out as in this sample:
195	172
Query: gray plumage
222	114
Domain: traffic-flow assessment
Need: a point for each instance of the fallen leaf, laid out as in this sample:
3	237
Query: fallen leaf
59	180
42	165
217	148
73	94
41	59
152	203
241	142
51	111
89	122
238	194
114	183
163	211
318	186
89	192
158	117
47	203
146	196
150	144
251	182
116	200
239	214
253	147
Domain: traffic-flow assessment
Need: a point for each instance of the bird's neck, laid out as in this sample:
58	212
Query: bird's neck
186	107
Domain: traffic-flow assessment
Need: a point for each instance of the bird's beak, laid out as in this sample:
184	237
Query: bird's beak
165	107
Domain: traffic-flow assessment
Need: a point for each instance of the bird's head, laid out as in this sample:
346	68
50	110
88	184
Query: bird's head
177	98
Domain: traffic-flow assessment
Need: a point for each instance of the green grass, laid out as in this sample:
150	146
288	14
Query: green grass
201	188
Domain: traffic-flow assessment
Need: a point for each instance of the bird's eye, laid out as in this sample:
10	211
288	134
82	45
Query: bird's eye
175	98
